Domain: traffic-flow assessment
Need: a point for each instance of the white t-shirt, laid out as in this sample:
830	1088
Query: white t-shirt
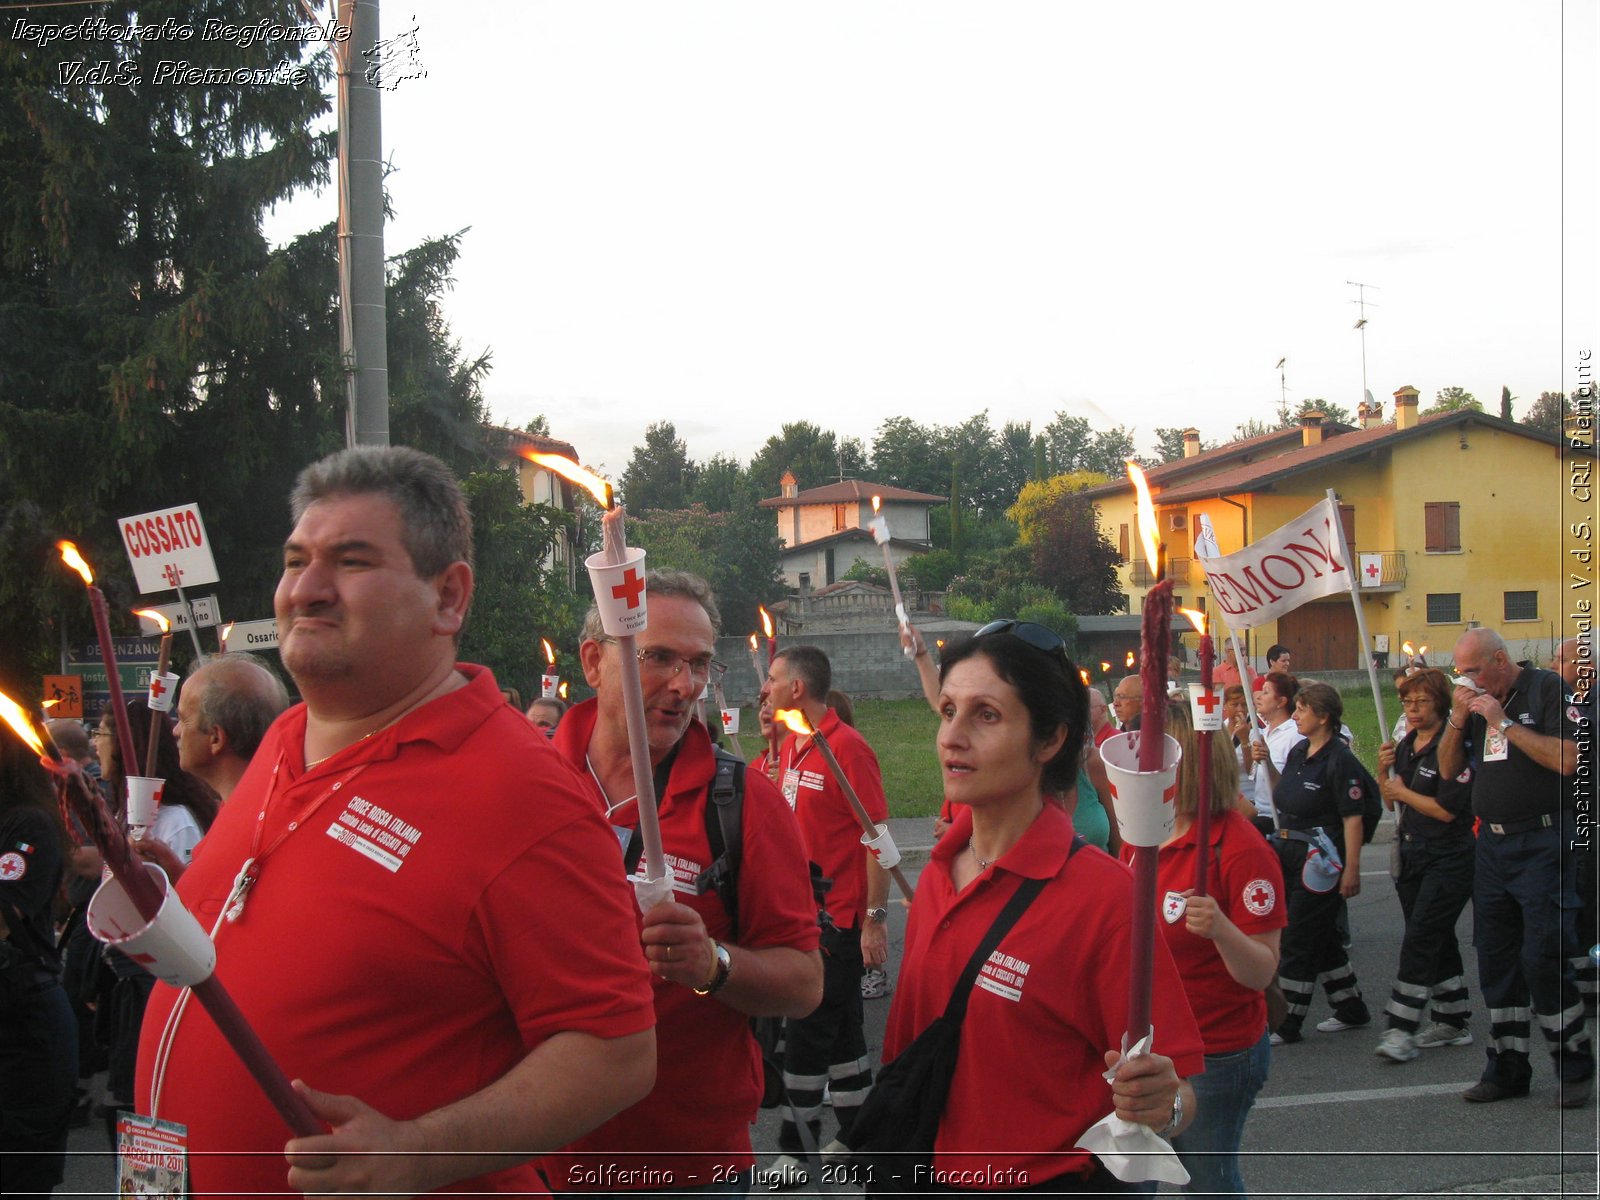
1280	740
176	827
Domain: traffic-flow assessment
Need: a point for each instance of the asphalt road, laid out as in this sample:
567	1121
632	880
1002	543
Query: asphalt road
1334	1119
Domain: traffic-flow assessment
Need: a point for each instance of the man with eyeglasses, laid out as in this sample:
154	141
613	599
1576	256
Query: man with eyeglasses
828	1048
712	968
1510	723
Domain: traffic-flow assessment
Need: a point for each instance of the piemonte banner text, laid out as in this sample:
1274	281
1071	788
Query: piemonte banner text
1297	563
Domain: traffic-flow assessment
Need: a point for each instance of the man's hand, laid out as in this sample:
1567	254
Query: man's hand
1350	880
1144	1088
677	946
365	1153
156	851
1461	703
1487	707
875	943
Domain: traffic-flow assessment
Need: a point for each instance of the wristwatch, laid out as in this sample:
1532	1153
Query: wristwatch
1177	1117
877	915
719	977
1505	724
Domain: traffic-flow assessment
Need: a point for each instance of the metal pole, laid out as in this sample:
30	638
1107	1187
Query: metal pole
194	635
362	339
1361	621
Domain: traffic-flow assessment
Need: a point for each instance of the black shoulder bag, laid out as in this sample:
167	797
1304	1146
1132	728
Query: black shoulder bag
894	1132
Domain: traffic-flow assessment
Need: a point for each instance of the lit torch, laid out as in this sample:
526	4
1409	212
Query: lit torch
224	632
162	687
562	690
1128	662
137	910
1207	714
550	681
108	655
880	534
1143	769
771	632
617	575
876	838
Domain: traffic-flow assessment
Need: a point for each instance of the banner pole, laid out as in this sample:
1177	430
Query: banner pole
1361	622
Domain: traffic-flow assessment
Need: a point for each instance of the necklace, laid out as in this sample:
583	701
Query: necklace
983	864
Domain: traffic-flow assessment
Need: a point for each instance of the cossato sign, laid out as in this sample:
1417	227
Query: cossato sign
168	549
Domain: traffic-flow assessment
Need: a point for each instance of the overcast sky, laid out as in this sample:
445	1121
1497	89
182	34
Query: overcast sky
738	214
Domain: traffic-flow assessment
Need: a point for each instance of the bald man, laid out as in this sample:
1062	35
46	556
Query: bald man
224	710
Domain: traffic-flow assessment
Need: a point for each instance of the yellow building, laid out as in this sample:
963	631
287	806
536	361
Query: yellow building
1462	510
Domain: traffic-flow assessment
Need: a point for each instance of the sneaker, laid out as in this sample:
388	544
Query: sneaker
1441	1034
1335	1025
1487	1091
874	983
1275	1039
1282	1037
786	1173
1398	1046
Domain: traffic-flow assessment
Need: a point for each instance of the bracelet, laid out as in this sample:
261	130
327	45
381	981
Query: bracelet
1177	1117
1452	724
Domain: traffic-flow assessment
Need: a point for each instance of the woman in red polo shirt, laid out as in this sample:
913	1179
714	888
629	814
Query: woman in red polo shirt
1226	946
1050	1005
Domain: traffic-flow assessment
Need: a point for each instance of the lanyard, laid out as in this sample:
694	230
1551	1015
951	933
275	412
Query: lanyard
251	870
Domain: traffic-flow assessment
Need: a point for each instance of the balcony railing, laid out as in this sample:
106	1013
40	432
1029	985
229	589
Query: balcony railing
1178	570
1391	570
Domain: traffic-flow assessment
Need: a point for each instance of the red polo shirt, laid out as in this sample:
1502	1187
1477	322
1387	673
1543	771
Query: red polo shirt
693	1130
433	902
1247	883
1046	1007
827	821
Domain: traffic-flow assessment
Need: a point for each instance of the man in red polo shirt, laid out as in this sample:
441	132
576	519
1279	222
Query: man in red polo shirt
412	897
714	969
828	1048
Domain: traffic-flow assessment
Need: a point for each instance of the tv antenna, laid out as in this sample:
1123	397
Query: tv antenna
1361	326
1283	385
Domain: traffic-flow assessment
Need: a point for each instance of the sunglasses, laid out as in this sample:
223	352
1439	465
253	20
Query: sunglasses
1035	635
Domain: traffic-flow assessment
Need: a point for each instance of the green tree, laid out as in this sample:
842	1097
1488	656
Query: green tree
1041	459
736	552
722	485
1075	559
518	598
659	473
1014	459
1169	444
1454	399
1505	403
1335	413
1548	412
1034	503
1069	439
906	453
1109	451
815	455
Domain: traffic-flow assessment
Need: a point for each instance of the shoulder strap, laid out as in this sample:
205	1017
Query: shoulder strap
725	832
1015	907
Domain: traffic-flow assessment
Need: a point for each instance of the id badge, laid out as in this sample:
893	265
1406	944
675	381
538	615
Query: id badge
1496	746
791	785
152	1157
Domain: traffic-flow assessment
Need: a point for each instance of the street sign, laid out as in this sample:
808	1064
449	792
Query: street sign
168	549
127	649
206	614
253	635
67	692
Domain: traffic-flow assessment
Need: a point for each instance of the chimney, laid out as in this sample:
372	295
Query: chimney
1311	428
1405	408
1361	415
789	485
1191	442
1374	417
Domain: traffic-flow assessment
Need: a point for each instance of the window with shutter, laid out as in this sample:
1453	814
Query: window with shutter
1442	526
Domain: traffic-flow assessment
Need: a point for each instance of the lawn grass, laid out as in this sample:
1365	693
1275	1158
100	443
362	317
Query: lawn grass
902	733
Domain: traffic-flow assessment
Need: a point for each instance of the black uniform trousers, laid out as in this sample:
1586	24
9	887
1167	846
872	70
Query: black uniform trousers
829	1047
1434	886
38	1068
1524	927
1312	951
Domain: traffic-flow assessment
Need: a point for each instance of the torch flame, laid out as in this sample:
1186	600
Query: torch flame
1130	658
1422	649
766	620
549	651
224	634
17	717
1406	646
752	643
939	642
877	503
1105	668
562	690
1148	530
795	720
48	703
1083	674
1196	618
70	556
567	469
151	614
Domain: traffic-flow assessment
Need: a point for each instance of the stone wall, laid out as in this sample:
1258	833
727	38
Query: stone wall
865	665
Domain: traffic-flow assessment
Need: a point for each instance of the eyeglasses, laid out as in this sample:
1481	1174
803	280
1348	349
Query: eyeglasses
104	733
1415	701
665	662
1468	672
1038	636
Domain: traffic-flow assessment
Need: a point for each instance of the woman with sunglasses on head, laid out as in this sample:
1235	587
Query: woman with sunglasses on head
1435	880
187	809
1049	1008
1320	801
1225	944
